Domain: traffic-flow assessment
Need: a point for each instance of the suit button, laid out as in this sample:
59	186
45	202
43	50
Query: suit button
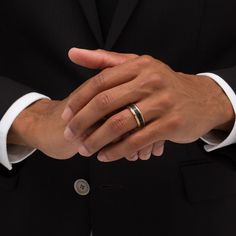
81	187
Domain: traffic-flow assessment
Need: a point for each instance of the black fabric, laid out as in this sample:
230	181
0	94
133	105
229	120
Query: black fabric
11	87
186	192
106	11
200	186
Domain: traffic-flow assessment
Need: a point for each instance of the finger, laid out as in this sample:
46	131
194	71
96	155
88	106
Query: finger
142	138
98	59
145	153
102	105
158	148
107	79
114	99
90	131
133	157
115	127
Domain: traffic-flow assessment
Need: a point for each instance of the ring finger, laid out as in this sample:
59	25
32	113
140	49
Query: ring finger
113	128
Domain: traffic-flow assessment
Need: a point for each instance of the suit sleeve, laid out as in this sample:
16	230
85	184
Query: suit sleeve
229	75
10	91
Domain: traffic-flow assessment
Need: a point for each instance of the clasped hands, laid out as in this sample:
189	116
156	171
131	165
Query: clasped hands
176	107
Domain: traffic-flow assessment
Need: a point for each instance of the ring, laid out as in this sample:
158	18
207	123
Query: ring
137	115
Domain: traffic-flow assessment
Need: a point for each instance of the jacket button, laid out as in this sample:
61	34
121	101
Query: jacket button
82	187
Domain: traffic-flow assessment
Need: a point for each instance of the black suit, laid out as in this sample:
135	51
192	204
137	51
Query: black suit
186	192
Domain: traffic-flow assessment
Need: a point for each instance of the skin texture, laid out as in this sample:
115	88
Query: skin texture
94	118
177	107
36	124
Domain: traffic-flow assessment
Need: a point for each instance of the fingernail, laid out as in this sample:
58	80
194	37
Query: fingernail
102	157
83	151
134	158
145	157
159	151
67	114
68	134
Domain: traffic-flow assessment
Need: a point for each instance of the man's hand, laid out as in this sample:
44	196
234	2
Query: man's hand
176	106
101	60
40	126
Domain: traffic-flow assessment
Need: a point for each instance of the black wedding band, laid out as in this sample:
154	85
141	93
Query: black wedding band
137	115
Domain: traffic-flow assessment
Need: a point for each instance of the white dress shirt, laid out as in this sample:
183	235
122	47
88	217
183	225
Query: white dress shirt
10	154
213	140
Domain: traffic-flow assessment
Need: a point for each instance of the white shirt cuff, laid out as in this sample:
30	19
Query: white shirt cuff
15	153
214	139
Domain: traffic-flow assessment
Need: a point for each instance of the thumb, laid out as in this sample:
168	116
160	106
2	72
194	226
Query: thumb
98	59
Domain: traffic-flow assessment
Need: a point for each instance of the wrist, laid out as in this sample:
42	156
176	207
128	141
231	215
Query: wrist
223	109
25	127
226	115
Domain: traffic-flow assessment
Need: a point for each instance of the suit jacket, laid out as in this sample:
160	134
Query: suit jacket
186	192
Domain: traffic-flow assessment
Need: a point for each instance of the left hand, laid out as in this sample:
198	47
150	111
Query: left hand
176	107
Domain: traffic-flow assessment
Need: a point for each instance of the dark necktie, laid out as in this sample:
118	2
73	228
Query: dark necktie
106	10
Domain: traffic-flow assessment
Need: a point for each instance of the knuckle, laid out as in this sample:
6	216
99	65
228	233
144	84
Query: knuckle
99	50
151	82
146	59
176	122
156	79
118	123
98	82
166	100
103	100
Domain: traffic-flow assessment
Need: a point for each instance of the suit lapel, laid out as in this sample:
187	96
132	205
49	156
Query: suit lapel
90	11
122	14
